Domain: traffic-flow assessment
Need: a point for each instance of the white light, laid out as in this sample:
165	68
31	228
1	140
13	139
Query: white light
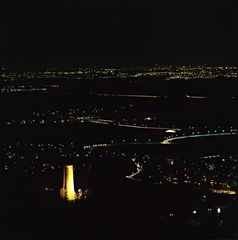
218	210
170	131
194	212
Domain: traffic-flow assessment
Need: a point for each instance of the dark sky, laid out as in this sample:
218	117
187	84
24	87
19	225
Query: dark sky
76	32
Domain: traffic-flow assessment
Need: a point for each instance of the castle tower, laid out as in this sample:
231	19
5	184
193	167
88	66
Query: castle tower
67	191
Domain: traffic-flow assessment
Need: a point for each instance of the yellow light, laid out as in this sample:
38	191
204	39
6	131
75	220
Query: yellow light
224	191
67	191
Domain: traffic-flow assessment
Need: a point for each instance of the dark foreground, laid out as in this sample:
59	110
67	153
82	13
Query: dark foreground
116	210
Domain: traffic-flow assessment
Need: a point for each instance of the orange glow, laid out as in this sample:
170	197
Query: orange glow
67	191
224	191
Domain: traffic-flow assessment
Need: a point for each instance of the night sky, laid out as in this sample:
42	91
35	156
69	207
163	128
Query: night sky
76	32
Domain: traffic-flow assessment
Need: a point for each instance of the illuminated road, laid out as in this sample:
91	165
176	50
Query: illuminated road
196	97
169	141
147	96
128	95
107	122
134	174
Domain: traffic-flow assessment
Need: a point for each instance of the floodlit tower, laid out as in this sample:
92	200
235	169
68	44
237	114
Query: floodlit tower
67	191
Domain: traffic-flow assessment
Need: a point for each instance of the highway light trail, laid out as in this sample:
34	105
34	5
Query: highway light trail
134	174
127	95
197	97
168	141
105	121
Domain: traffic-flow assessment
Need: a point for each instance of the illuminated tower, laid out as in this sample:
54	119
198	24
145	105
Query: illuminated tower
67	191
